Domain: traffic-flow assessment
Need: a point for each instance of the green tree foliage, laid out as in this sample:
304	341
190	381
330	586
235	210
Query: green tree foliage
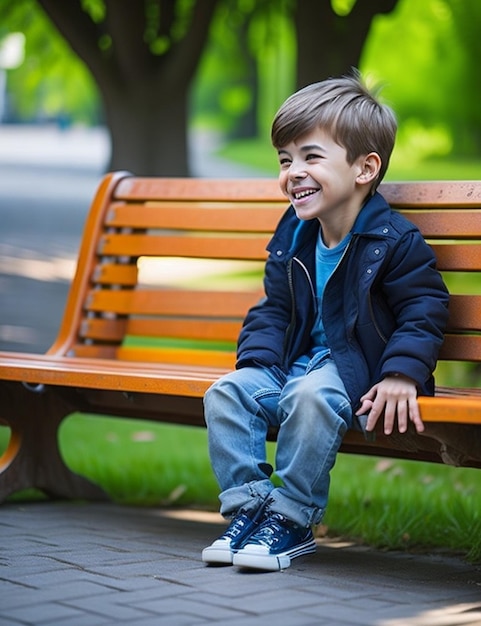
52	82
427	55
465	97
248	66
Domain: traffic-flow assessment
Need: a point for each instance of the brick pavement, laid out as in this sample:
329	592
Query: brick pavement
100	564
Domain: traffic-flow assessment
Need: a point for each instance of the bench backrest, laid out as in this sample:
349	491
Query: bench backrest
168	267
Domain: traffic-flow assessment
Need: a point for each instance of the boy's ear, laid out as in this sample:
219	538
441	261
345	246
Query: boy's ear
370	166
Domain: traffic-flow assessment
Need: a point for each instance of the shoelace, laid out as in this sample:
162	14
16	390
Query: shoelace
241	521
237	528
269	531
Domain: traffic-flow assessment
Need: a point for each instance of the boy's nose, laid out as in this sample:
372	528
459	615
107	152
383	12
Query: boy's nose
297	171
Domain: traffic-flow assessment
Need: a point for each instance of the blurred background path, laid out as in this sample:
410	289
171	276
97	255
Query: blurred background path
48	178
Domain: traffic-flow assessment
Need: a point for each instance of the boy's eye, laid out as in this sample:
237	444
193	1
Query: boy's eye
312	156
284	162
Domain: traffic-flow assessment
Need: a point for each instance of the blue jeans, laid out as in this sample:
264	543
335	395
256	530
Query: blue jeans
312	411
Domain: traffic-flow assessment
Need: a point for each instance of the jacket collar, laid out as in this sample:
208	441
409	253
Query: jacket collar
293	233
373	217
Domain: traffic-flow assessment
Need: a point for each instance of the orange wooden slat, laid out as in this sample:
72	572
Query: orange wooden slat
462	194
447	224
116	329
457	409
210	304
406	194
243	217
18	360
115	274
462	257
464	313
107	374
196	189
461	348
179	356
182	328
205	247
94	351
113	330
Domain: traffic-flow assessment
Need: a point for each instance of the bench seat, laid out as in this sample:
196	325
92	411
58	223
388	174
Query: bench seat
166	272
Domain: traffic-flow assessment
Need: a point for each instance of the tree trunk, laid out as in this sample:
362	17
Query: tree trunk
330	44
148	130
145	95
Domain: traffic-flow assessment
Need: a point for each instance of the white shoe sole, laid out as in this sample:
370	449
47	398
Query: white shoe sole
258	557
217	555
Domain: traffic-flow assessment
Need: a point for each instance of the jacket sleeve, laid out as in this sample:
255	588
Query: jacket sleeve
418	298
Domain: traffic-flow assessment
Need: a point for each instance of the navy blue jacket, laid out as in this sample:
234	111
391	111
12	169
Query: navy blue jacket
384	309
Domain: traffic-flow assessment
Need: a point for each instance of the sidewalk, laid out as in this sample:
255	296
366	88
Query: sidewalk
103	564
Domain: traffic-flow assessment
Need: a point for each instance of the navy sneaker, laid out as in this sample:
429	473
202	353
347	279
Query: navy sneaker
221	551
274	544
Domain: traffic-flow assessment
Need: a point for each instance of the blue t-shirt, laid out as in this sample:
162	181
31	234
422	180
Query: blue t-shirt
326	262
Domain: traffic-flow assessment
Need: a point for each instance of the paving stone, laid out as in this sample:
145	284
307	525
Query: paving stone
101	564
43	613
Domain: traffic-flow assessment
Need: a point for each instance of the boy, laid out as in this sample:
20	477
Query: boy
349	330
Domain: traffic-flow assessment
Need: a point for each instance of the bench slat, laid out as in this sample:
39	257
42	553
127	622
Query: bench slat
104	329
199	216
207	247
462	257
464	313
464	224
453	409
461	348
435	193
95	373
179	356
212	304
115	274
116	329
205	190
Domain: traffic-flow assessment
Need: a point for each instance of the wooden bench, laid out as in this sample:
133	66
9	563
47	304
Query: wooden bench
166	272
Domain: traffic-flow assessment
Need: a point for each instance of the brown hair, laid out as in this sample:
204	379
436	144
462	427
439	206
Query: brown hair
345	108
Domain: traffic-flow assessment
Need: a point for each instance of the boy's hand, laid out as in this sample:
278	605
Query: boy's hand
395	396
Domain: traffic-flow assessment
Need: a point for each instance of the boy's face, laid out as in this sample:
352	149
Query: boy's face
318	180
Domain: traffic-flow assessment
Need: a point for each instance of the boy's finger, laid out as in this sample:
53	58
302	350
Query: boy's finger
402	416
415	416
365	406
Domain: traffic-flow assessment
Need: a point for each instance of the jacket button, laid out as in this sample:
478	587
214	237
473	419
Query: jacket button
369	271
279	252
385	230
377	251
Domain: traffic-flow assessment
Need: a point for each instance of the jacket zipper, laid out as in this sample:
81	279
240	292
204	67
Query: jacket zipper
290	328
382	336
292	323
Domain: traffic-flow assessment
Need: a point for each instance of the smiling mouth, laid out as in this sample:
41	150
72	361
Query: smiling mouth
298	195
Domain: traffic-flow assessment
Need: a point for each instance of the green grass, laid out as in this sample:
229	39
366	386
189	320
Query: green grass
389	504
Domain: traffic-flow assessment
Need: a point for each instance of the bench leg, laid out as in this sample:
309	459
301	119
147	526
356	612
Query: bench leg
33	459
